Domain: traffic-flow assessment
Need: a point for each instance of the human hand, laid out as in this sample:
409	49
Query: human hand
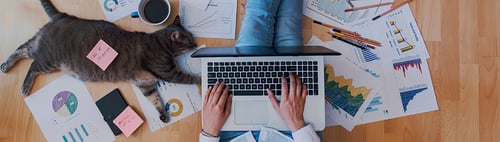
291	106
216	108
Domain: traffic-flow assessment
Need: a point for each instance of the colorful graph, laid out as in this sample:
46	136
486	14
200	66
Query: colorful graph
342	93
407	94
334	10
79	132
65	103
400	39
376	101
175	107
368	56
404	66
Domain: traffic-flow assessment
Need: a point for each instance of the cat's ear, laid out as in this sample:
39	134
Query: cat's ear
177	21
175	36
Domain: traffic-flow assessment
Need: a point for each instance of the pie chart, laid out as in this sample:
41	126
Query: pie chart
65	103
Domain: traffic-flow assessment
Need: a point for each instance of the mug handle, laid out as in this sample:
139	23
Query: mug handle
134	14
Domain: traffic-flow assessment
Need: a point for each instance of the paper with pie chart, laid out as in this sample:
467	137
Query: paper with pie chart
65	112
181	101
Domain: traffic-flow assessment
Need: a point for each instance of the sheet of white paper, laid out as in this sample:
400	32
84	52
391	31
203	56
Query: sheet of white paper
398	32
200	4
332	11
272	135
116	9
217	21
65	111
184	99
246	137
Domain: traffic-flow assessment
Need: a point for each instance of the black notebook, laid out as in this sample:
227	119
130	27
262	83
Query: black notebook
111	106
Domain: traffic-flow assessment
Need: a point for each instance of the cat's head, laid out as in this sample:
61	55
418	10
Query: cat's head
179	38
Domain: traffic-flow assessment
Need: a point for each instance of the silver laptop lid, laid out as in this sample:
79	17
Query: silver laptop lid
249	51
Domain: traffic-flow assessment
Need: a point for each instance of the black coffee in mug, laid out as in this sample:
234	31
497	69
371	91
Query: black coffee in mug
156	11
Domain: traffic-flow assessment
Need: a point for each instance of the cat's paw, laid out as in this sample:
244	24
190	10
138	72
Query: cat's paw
164	116
4	68
25	91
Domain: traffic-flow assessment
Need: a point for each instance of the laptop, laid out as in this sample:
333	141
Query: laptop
249	70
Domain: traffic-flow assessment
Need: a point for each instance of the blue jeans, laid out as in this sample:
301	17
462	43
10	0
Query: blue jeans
269	23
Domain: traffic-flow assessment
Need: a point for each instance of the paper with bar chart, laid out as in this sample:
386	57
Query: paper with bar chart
65	112
398	32
218	20
405	87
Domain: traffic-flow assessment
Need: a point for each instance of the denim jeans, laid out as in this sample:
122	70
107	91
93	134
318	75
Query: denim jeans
269	23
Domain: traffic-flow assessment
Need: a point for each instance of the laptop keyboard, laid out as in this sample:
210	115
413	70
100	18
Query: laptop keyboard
252	78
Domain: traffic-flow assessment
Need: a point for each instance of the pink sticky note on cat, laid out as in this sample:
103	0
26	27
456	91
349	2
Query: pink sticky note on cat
128	121
102	55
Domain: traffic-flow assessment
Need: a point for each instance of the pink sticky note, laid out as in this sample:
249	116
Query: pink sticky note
102	54
128	121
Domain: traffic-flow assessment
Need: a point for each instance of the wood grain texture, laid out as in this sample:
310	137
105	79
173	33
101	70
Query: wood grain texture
462	37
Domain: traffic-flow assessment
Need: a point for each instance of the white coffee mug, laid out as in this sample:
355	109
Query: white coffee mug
153	12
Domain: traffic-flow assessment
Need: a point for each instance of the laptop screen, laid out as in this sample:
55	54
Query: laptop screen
248	51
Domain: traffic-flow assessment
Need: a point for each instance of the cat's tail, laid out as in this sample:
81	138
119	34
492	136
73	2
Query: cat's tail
50	9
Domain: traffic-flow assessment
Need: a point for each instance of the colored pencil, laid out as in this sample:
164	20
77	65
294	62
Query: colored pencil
366	7
390	10
373	42
336	28
349	42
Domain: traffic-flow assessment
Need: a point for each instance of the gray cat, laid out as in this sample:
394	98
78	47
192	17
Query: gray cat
143	58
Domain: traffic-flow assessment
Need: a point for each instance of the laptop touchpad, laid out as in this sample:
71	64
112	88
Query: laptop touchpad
251	112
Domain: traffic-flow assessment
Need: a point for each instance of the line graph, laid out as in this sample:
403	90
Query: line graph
404	66
204	22
217	21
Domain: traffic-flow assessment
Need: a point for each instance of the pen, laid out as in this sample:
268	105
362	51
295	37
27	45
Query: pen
366	7
390	10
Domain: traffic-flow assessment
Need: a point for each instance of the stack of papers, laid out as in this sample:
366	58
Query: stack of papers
368	85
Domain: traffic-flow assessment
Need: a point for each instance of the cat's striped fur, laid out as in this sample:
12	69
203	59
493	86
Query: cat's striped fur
143	58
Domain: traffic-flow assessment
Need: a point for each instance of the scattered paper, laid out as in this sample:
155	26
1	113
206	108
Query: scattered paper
117	9
218	20
184	99
65	111
406	86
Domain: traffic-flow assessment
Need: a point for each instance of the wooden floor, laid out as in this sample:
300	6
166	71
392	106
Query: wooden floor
462	37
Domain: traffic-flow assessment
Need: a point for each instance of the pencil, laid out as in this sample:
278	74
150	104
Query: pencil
390	10
349	42
336	28
366	7
370	41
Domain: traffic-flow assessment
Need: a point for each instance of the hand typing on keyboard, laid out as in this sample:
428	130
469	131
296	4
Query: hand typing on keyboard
216	107
217	104
293	99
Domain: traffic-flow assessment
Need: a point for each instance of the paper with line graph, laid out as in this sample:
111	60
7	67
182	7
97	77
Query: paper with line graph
218	20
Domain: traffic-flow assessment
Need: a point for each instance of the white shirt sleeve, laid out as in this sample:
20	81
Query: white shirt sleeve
306	134
204	138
